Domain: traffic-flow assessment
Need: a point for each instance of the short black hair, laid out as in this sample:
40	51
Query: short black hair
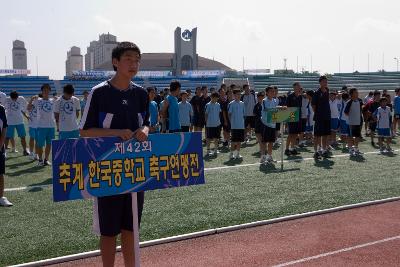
345	96
269	88
14	95
121	48
397	90
45	85
321	78
236	91
183	93
296	84
174	85
150	89
85	92
310	93
69	89
215	94
377	93
261	93
382	99
245	86
352	90
204	87
370	93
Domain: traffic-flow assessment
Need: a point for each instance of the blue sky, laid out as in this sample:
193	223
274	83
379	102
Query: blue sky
264	32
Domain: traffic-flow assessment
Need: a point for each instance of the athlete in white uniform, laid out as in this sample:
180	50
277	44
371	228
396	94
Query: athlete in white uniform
66	112
16	108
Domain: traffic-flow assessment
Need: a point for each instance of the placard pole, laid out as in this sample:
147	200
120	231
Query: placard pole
135	230
282	144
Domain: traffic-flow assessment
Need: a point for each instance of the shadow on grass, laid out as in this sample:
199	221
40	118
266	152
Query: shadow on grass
233	162
358	158
25	171
35	189
45	182
324	163
275	168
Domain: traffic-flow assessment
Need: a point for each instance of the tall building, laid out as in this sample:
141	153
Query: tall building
19	55
74	61
99	52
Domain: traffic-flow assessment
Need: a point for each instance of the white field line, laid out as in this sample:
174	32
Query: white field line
330	253
210	169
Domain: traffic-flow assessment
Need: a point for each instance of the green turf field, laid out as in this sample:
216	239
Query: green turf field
36	228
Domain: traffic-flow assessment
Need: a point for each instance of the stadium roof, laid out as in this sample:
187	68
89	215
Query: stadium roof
163	61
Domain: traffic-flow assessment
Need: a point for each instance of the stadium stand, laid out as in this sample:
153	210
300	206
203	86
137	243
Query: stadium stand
30	85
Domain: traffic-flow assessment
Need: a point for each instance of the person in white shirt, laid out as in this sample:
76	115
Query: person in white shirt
15	109
334	107
66	112
32	124
3	98
45	124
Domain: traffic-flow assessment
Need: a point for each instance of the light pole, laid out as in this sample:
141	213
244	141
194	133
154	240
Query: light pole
397	60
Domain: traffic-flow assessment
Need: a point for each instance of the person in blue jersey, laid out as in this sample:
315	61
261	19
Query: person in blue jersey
170	107
66	112
117	107
383	126
269	129
236	117
213	123
153	109
84	101
16	111
4	202
396	111
45	124
185	112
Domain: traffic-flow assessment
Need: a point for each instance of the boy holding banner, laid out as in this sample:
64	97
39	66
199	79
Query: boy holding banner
117	107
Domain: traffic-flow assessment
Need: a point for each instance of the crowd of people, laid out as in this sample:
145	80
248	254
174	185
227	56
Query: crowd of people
231	116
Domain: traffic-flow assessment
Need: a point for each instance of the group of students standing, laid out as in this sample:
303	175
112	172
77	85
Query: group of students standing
237	112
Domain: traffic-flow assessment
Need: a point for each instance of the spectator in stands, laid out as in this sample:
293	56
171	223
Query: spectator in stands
153	110
66	113
236	117
45	125
84	101
16	109
294	100
4	202
322	118
185	113
249	101
171	109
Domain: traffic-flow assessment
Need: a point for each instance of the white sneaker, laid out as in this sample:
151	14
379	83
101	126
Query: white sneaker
209	152
216	152
14	150
238	156
4	202
231	156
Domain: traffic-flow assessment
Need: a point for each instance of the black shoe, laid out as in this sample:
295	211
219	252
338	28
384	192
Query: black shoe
46	163
317	155
26	153
372	143
225	143
294	152
287	152
326	154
